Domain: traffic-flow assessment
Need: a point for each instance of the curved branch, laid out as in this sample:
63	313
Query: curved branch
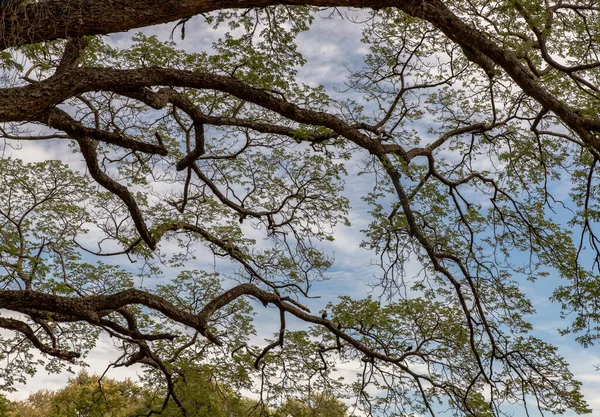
27	331
60	119
56	19
88	150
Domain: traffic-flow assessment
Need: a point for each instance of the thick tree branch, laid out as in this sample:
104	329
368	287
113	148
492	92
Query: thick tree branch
88	150
60	119
56	19
37	99
72	54
92	308
94	17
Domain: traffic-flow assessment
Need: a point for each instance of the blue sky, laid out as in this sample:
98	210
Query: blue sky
330	47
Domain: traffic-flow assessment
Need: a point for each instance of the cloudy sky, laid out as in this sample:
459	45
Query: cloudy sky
331	46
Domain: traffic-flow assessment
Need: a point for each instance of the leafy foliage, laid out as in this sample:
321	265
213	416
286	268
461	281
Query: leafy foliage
85	395
205	186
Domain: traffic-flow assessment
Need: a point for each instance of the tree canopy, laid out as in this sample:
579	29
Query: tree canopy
84	395
88	395
473	123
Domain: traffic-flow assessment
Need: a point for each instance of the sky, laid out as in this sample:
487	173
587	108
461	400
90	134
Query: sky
330	47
